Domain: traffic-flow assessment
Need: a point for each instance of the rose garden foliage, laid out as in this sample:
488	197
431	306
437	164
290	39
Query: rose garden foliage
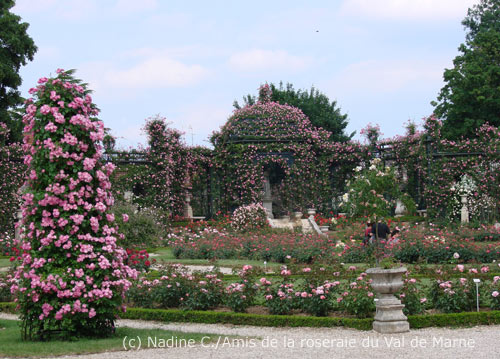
12	172
315	290
306	170
278	139
435	167
72	277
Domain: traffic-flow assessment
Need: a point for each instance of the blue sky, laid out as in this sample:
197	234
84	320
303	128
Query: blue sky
381	60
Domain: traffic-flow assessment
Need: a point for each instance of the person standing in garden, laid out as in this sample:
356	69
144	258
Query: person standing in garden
368	233
381	230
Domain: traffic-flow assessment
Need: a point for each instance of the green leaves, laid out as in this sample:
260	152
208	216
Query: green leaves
314	104
470	96
16	48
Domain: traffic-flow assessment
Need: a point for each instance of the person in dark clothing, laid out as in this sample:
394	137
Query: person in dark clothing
381	230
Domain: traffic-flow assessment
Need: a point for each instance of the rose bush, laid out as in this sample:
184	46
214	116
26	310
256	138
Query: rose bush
72	277
250	217
357	297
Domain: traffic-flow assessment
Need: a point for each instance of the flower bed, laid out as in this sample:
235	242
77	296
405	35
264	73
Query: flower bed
312	290
304	248
427	244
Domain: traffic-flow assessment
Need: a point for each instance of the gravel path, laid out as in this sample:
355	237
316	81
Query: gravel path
301	343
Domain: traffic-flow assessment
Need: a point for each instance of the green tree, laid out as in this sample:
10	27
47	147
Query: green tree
315	105
471	94
16	48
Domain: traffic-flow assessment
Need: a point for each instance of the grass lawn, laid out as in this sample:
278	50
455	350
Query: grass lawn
5	261
11	344
165	254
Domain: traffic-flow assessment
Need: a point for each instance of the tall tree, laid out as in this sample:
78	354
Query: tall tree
315	105
16	48
471	94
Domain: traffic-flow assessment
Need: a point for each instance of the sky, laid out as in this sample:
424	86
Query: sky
188	60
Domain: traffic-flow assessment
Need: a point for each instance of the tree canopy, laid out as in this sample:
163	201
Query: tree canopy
16	48
315	105
471	94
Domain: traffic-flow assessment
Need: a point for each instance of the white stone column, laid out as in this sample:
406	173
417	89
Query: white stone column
268	198
464	212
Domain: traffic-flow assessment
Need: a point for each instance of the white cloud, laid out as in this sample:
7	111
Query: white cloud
258	59
389	76
407	9
156	71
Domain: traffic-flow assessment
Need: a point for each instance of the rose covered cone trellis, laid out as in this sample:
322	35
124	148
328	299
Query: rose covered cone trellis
72	277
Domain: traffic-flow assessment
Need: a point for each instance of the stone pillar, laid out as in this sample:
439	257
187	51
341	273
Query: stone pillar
464	212
188	210
267	200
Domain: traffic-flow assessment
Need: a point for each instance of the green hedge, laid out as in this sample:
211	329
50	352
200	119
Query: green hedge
467	319
416	321
8	307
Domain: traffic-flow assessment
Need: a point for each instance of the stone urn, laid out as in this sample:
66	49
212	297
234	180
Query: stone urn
400	208
389	317
311	211
297	215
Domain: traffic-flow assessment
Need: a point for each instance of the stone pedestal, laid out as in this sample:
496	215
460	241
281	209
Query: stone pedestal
268	206
297	215
311	212
389	317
